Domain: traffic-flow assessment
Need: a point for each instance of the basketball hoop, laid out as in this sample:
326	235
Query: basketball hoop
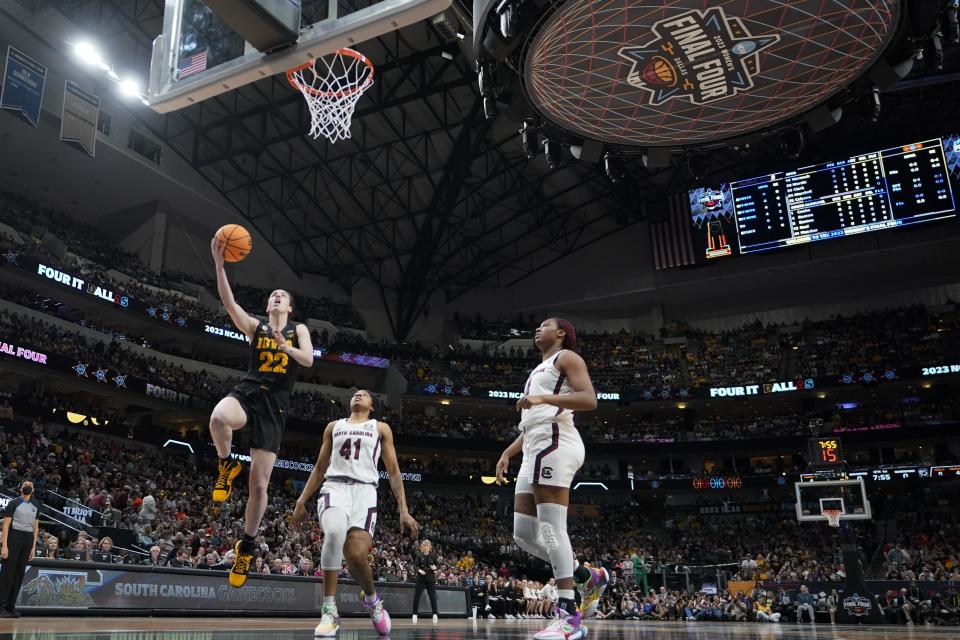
332	85
833	517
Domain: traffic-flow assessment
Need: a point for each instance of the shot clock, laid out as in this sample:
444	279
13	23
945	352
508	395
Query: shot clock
825	453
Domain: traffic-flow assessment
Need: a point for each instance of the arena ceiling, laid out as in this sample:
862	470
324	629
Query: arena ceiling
429	196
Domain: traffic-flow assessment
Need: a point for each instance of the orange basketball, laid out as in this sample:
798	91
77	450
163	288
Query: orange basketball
236	242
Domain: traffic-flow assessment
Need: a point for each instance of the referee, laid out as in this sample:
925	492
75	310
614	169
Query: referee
20	530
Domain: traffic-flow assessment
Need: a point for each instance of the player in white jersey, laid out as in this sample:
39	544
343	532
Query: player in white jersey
347	505
552	454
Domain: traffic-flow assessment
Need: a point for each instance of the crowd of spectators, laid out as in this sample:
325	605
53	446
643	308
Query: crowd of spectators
67	243
868	342
113	353
162	498
115	357
909	606
477	327
929	550
634	427
871	341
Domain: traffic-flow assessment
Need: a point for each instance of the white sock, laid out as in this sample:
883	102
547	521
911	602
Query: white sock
565	594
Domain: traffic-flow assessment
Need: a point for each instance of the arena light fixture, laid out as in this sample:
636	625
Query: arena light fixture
698	164
873	107
489	107
553	152
485	78
529	139
87	53
792	143
487	83
130	87
591	484
613	166
953	24
508	22
179	443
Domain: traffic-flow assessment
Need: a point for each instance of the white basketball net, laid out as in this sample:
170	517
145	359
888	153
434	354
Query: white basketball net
332	85
833	517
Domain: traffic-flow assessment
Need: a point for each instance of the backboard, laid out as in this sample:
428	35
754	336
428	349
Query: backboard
198	56
848	496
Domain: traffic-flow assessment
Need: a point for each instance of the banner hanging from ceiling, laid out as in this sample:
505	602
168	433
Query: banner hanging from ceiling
78	121
23	82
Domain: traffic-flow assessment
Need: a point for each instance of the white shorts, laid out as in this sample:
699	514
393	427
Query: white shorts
358	501
551	456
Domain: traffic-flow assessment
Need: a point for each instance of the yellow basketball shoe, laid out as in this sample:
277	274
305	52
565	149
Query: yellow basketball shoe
229	469
241	567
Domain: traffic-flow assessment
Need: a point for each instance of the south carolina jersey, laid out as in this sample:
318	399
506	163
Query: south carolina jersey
546	379
270	367
356	451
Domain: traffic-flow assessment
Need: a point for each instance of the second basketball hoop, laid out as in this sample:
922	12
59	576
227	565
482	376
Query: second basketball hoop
332	85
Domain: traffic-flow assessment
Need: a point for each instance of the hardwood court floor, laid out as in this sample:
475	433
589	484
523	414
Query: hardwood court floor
92	628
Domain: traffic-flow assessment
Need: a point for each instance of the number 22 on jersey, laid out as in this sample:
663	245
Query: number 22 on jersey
275	361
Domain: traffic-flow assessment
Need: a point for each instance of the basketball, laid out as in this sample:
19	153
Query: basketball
236	242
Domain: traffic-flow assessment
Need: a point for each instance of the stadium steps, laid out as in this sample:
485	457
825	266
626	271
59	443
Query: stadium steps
789	364
48	511
875	566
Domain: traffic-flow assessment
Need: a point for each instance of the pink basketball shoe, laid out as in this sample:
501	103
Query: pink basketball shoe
379	615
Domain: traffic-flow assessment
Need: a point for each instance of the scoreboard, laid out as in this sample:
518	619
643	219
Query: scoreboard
825	453
883	189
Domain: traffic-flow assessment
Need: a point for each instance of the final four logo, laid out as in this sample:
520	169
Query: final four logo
711	200
857	605
700	56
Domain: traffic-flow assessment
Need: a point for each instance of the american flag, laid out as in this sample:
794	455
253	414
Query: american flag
192	64
671	241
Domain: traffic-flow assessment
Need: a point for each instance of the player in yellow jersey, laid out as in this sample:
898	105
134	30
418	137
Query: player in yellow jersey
278	348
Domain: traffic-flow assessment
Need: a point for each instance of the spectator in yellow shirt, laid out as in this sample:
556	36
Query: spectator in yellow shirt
467	562
765	612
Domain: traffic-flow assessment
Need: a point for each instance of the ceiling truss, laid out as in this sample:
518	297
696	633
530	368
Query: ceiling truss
428	197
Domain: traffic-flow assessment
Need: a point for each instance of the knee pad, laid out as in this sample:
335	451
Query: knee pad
334	524
553	532
526	533
525	529
553	524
